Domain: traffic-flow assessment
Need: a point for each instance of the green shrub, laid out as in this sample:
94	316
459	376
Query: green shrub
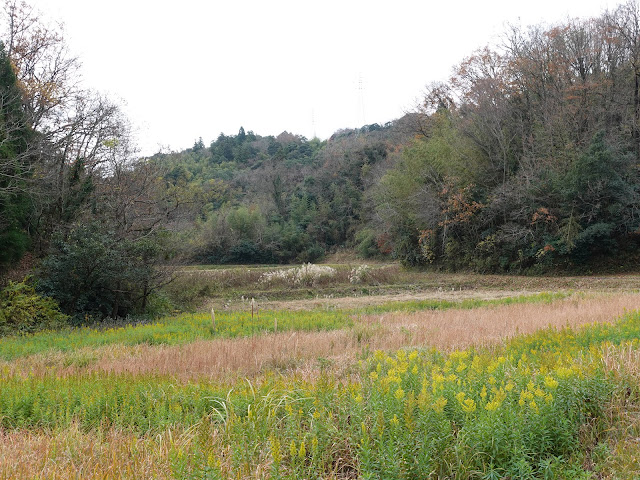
366	243
22	310
92	272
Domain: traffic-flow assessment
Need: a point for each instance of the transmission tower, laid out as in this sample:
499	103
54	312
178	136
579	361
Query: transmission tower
360	116
313	122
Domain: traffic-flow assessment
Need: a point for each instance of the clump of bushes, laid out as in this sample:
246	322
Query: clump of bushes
23	311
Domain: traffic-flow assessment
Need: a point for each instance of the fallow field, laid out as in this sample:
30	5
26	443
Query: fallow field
337	372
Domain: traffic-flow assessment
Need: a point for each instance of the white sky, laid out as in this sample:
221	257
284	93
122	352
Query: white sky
192	69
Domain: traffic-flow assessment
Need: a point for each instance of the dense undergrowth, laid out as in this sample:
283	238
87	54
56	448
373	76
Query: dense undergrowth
535	407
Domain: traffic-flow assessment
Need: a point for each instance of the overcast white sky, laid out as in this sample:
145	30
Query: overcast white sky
192	69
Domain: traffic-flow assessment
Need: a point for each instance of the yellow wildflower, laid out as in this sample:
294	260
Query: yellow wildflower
439	405
550	382
476	364
303	451
564	372
293	450
469	405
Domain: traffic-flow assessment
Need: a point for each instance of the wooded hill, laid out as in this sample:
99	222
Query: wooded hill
526	159
285	198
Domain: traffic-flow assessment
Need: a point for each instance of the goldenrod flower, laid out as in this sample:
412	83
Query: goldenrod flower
550	382
293	450
303	451
275	449
439	405
469	405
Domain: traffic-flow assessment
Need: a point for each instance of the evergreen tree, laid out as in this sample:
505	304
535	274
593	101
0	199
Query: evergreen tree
15	203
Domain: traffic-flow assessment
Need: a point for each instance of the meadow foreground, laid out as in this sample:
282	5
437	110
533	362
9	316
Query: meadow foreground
542	385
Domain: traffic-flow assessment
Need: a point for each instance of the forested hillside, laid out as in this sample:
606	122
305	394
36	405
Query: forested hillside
285	198
525	160
530	153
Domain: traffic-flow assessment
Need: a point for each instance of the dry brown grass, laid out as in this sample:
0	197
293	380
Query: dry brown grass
72	453
408	285
623	435
299	352
459	329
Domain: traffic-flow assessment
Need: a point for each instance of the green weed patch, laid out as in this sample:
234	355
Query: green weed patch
175	331
418	305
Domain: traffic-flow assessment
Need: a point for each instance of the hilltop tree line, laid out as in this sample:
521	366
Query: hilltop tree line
526	159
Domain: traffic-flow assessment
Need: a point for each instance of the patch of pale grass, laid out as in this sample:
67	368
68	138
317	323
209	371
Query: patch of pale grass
459	329
299	352
64	363
72	453
623	360
225	359
115	454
